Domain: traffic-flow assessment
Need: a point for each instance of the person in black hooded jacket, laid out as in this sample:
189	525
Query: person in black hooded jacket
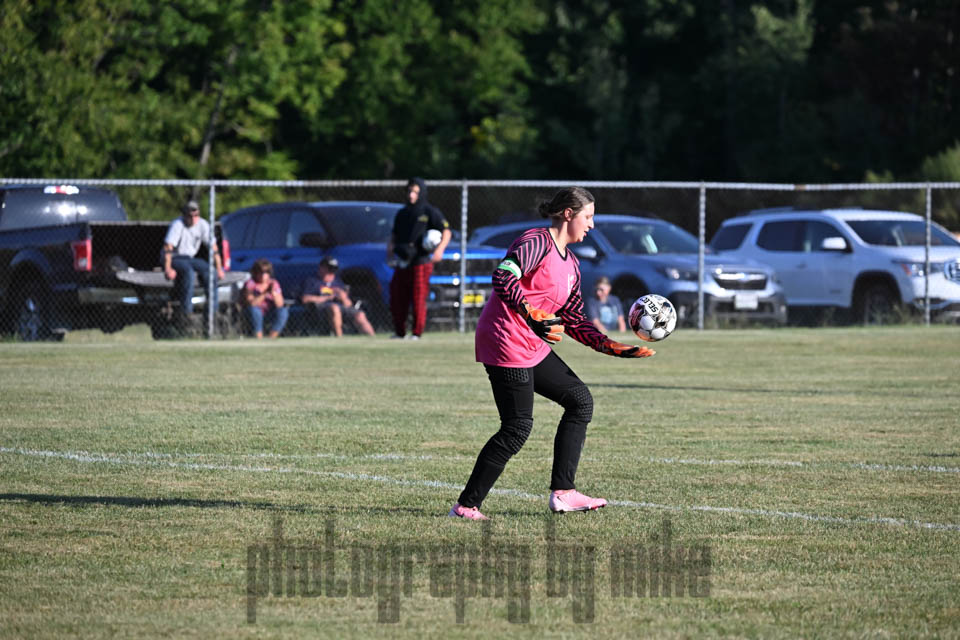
412	250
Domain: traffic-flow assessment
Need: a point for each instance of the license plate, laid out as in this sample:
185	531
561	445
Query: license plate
473	298
746	301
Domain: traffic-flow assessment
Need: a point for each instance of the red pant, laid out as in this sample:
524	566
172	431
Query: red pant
410	285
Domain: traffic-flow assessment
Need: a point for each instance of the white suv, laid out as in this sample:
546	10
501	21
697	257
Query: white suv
865	261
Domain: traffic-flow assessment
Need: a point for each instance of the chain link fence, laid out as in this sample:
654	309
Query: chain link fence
66	265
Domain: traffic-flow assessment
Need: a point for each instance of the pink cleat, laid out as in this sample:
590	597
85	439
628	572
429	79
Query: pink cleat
470	513
564	500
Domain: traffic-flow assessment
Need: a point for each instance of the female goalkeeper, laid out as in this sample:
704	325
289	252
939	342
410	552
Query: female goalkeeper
537	297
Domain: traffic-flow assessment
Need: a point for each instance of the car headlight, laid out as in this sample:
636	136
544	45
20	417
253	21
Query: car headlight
673	273
916	269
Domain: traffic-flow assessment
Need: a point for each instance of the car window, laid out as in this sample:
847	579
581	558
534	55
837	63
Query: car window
351	224
503	240
33	208
269	231
814	232
591	242
900	233
302	222
782	235
729	237
237	226
648	238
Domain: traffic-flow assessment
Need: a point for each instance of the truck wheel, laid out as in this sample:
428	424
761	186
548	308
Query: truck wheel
162	325
163	329
113	319
876	304
31	314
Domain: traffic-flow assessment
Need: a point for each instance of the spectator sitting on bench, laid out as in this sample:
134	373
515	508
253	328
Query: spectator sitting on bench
325	297
264	300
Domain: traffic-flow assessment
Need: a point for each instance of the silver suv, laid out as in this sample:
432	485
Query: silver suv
867	262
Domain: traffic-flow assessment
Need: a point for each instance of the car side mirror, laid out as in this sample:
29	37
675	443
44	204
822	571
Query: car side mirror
835	243
314	239
585	252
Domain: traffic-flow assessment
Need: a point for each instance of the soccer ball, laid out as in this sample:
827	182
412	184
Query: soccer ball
652	317
431	239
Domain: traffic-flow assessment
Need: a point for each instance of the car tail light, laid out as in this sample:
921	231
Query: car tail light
226	253
82	254
66	189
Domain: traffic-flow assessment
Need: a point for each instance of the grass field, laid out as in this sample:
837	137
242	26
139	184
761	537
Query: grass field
819	468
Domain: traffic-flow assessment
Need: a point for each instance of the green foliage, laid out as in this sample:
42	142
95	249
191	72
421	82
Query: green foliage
945	167
433	90
785	90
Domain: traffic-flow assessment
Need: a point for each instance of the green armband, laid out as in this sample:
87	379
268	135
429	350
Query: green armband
510	266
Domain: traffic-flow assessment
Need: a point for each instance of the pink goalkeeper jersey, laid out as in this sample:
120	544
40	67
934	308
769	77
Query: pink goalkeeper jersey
549	280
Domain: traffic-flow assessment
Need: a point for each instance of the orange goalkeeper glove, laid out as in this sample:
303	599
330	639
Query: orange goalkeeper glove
546	325
622	350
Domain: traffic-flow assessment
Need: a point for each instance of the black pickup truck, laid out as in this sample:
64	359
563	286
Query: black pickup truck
70	259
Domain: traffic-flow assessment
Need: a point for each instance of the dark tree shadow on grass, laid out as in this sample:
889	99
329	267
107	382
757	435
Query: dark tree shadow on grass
137	502
199	503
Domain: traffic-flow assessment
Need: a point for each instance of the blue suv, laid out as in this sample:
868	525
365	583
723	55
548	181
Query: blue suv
294	236
646	255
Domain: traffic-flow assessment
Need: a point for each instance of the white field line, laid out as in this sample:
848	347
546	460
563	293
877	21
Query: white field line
404	457
160	460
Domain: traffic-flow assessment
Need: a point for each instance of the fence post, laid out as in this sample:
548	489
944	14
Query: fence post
464	200
926	264
212	283
701	247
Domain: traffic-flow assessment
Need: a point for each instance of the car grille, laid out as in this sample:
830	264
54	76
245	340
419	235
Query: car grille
741	280
728	308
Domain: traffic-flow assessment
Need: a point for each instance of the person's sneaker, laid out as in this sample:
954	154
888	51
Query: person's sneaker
396	336
413	336
564	500
470	513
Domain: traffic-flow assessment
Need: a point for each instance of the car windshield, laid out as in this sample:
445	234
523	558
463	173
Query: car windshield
648	238
900	233
352	224
730	237
32	208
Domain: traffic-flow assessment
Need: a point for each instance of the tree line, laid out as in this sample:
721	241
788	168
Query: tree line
767	90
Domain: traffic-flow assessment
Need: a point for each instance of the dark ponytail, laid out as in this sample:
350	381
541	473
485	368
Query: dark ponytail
575	198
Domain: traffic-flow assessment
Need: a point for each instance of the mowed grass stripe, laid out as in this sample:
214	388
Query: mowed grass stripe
153	461
402	457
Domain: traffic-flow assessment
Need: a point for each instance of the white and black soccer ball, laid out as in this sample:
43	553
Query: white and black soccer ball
652	317
431	239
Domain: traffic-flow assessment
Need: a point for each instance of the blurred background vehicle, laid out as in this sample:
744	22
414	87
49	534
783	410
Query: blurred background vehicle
869	264
645	255
294	236
71	259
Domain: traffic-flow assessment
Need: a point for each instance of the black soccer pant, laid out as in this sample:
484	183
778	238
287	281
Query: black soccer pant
513	391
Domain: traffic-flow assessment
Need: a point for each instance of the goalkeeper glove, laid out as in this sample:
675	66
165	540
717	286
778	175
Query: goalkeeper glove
545	325
622	350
